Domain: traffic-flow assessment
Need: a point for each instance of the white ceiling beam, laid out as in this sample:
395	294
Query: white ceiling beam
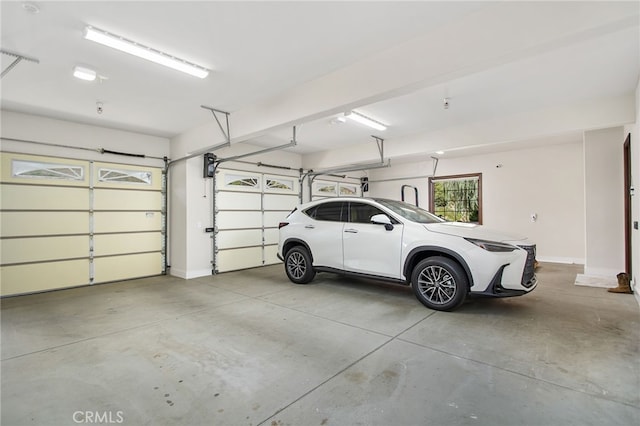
512	129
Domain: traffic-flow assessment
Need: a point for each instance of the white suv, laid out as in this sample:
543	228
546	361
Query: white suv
391	240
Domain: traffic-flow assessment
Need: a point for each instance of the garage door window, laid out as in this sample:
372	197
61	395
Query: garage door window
124	176
348	190
32	169
327	189
279	184
246	181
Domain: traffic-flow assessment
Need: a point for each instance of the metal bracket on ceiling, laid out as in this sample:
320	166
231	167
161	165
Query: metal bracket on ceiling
226	133
380	143
435	164
18	57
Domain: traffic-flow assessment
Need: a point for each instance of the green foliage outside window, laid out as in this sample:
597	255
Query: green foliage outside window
456	199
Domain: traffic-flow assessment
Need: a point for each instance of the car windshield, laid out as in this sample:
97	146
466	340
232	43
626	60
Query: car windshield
408	211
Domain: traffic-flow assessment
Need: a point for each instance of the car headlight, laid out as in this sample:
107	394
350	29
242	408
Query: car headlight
494	246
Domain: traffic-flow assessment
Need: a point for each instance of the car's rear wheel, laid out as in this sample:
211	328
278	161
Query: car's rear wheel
439	283
297	264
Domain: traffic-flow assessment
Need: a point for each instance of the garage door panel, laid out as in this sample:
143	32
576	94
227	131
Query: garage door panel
105	222
20	250
237	201
235	220
30	197
271	236
272	219
239	238
30	278
116	268
44	223
280	202
243	258
271	255
121	199
106	245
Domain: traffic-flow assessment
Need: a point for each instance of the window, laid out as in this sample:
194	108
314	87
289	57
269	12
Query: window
124	176
246	181
457	198
348	190
409	211
332	212
277	183
325	189
33	169
362	213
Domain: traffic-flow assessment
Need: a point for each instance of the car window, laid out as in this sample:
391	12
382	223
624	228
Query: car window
362	212
411	212
332	211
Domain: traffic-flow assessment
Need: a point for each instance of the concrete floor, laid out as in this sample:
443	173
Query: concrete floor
250	348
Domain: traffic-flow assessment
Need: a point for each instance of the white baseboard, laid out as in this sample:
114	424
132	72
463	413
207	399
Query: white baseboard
566	260
187	275
596	281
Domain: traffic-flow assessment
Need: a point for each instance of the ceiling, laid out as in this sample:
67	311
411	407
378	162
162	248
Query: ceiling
257	50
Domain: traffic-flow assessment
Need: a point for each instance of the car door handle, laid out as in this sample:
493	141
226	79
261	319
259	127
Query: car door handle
310	227
351	231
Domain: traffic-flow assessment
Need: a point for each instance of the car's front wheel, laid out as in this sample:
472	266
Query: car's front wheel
439	283
297	264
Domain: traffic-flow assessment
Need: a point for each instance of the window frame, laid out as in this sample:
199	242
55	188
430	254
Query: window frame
433	180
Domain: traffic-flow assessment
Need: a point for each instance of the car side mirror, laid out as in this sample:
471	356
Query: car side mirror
382	219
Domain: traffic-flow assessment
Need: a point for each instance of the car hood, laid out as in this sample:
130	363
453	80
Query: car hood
471	230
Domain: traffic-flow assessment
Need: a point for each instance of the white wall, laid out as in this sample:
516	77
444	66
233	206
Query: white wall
40	129
547	181
604	202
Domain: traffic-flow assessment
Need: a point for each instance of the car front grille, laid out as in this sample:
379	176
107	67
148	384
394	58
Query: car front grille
528	276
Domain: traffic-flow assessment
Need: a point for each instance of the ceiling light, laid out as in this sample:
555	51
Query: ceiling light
31	8
440	152
84	73
363	119
141	51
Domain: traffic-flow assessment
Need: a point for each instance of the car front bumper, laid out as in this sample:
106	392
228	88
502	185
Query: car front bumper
513	278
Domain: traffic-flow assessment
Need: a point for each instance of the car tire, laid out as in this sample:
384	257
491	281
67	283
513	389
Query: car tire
297	264
439	283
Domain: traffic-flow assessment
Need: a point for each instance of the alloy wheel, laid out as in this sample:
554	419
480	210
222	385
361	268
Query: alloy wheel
296	265
437	285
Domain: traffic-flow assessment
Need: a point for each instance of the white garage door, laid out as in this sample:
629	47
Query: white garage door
68	222
249	206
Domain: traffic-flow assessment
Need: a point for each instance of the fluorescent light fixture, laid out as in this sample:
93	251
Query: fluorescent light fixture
363	119
84	73
145	52
440	152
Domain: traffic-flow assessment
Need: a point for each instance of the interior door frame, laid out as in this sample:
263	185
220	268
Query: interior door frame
627	205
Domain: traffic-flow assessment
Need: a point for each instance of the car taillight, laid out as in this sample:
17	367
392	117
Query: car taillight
282	224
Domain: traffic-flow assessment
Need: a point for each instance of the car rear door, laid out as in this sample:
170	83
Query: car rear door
371	248
323	233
